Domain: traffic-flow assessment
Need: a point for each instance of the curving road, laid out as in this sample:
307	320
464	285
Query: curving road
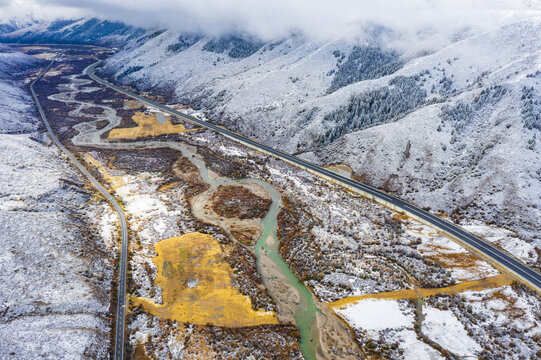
500	259
121	295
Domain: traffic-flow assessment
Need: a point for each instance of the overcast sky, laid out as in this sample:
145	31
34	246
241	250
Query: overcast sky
276	18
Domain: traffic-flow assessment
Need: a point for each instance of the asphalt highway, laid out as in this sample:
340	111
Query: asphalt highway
121	296
498	258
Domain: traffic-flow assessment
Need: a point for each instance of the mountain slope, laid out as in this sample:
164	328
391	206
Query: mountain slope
55	270
16	110
456	130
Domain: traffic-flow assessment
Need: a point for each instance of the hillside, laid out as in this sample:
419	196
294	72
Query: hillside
56	263
455	129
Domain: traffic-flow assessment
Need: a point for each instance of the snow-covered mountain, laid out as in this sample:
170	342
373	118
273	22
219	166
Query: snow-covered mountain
81	31
456	129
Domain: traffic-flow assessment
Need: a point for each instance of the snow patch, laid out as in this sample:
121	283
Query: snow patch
443	327
372	314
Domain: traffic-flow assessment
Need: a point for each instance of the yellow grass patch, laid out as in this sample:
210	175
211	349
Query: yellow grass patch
476	285
400	216
455	260
114	181
147	125
197	285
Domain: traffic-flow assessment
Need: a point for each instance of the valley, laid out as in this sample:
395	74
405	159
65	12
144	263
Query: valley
211	219
454	128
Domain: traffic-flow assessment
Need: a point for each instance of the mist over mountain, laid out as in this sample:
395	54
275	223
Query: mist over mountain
79	31
416	21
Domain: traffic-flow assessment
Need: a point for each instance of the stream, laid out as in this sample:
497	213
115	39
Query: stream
291	296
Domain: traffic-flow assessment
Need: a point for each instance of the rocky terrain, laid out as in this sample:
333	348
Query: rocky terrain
57	239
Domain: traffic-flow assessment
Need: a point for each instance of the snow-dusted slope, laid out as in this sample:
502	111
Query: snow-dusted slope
478	153
15	111
55	275
456	130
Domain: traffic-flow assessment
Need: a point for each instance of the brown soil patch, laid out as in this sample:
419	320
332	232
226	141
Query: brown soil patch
139	352
341	169
238	202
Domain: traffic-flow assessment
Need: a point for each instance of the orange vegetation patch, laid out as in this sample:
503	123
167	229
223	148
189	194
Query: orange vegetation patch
513	312
476	285
457	260
147	125
168	186
400	216
197	285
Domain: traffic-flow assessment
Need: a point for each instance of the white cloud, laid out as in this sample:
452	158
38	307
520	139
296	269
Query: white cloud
275	18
